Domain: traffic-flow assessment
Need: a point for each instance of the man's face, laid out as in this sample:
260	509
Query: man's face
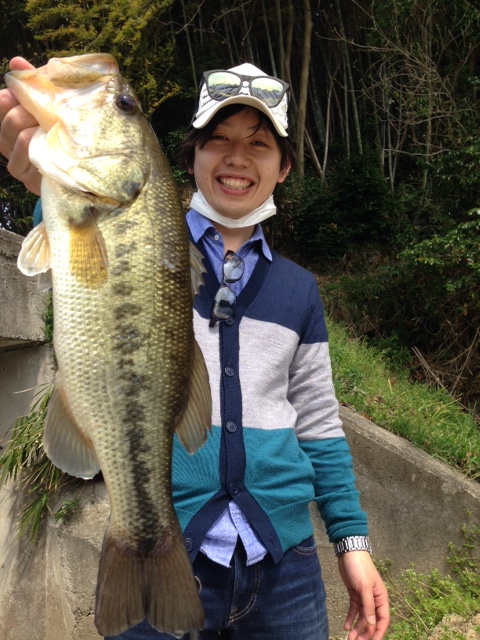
239	166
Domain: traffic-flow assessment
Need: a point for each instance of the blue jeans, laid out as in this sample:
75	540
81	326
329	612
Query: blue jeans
265	601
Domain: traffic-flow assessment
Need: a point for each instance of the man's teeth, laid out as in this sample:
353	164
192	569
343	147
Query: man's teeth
235	183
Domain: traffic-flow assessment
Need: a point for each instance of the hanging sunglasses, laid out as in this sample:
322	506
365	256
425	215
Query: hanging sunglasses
223	84
225	300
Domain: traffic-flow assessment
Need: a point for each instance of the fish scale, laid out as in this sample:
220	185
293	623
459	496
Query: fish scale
129	371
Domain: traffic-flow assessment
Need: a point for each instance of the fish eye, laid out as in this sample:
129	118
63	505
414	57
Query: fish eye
125	103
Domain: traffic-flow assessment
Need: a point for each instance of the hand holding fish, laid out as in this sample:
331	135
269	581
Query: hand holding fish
17	129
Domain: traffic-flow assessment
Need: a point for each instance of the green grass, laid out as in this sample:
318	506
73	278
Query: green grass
25	461
429	418
421	603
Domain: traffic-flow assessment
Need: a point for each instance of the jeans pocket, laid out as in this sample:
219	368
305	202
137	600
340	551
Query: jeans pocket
306	548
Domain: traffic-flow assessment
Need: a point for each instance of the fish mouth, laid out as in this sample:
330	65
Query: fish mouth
235	184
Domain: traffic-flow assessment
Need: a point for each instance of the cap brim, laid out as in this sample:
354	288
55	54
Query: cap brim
250	101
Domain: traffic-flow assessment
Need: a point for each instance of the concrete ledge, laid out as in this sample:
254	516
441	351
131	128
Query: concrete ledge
416	506
48	588
22	304
23	374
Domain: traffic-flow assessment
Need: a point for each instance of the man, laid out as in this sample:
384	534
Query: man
276	440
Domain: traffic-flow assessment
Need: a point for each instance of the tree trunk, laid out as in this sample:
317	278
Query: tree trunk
189	45
303	88
350	86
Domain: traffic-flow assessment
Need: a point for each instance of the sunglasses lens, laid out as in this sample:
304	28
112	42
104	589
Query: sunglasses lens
222	84
224	303
268	90
232	267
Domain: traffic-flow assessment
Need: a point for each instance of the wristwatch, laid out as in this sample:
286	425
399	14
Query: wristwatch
352	543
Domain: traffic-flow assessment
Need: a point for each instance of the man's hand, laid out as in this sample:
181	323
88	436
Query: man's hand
17	127
368	613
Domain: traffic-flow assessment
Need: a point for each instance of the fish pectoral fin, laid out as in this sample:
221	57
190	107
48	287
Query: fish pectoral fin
44	281
158	585
63	441
88	257
196	269
34	256
197	417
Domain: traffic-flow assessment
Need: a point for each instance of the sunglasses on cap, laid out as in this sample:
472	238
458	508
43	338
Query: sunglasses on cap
225	300
222	84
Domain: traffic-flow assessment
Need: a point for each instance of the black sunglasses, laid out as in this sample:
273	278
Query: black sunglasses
225	300
222	84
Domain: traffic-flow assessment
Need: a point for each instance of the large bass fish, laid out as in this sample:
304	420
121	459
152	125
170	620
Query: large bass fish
129	371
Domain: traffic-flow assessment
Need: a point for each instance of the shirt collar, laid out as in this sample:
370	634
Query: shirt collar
199	226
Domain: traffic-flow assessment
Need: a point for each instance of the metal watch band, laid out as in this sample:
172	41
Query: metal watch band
352	543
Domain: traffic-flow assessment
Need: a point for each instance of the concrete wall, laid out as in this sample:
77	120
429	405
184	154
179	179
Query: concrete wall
416	505
24	360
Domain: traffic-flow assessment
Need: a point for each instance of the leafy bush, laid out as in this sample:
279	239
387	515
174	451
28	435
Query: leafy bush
16	204
427	299
320	221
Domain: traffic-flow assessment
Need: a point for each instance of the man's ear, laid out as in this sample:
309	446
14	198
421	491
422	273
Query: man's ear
284	173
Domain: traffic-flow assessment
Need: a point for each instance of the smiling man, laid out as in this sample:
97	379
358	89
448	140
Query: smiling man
276	441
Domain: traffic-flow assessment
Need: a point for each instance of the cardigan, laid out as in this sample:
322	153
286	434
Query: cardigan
276	442
221	539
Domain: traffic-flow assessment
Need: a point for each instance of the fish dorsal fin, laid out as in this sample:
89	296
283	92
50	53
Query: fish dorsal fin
197	418
196	269
34	256
66	446
88	254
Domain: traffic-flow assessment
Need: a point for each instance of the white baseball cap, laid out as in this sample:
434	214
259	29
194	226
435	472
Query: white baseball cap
244	84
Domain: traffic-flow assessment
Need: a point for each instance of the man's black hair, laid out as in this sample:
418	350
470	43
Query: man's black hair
200	137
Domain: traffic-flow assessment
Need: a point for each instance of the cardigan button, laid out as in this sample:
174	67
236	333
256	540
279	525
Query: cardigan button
233	488
229	371
229	321
188	544
231	426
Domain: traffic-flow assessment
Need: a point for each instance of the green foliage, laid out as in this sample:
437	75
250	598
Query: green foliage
456	179
133	31
420	603
325	220
427	298
15	37
24	460
16	204
365	380
170	143
48	320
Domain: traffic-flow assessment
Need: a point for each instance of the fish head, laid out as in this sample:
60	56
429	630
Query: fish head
92	132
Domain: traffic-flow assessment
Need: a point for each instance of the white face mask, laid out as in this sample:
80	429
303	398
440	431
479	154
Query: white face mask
261	213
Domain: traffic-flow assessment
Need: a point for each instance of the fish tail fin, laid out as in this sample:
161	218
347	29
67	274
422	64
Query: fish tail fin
120	602
159	586
174	605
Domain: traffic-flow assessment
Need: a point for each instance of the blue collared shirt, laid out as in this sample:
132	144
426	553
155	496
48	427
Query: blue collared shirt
219	543
201	228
